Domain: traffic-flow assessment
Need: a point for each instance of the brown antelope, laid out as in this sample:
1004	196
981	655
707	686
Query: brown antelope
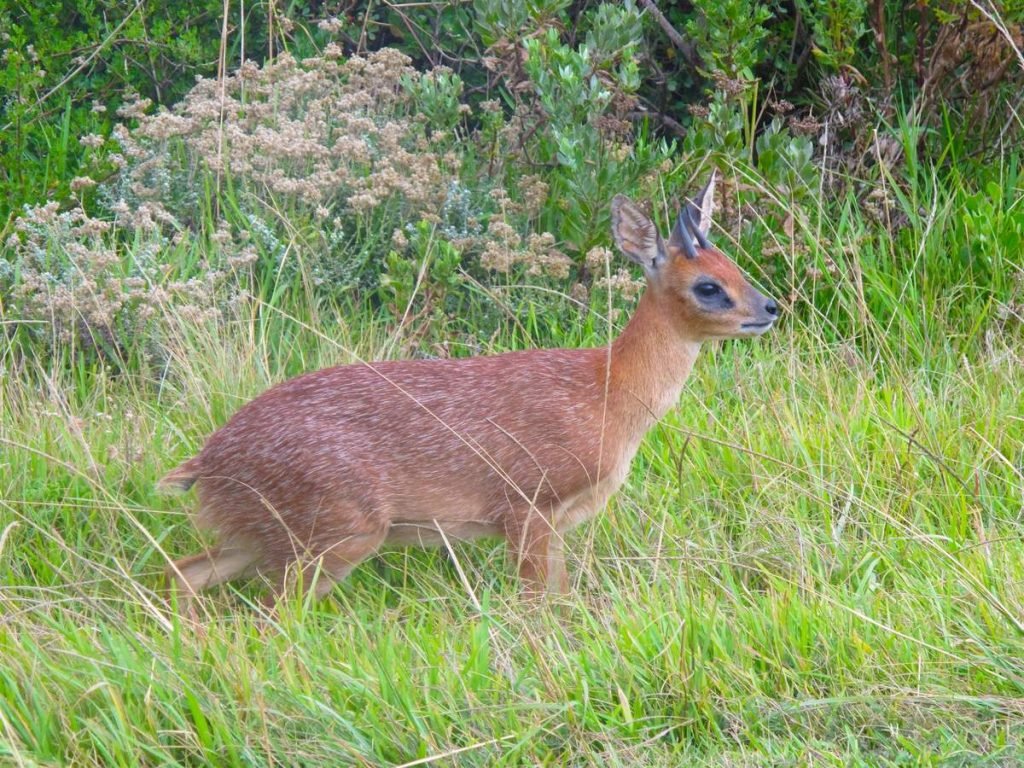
322	470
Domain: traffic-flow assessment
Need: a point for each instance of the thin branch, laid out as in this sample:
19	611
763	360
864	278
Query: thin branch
685	47
673	125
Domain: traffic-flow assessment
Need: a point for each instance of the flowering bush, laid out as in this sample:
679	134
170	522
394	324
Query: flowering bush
289	172
324	135
71	283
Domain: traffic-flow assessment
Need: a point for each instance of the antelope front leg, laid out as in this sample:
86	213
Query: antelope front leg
558	576
539	552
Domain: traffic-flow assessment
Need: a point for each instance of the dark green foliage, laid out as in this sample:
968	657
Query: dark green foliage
69	65
55	85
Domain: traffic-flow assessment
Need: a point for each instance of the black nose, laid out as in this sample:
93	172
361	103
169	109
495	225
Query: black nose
771	307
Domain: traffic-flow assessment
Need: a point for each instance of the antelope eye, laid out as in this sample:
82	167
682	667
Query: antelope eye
707	290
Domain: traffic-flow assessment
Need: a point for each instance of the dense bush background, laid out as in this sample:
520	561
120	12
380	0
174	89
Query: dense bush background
530	116
817	558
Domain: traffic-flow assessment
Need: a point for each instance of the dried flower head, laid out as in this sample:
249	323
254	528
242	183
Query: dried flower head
334	25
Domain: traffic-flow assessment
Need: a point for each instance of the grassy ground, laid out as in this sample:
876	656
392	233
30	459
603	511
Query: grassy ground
817	560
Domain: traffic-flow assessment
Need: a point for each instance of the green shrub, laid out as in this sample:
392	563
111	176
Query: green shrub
59	87
69	66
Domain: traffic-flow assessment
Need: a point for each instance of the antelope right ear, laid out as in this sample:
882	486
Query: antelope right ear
701	209
636	235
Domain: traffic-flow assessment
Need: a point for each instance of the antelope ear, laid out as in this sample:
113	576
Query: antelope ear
700	211
636	235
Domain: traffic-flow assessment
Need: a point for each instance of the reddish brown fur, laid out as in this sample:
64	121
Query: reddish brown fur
325	468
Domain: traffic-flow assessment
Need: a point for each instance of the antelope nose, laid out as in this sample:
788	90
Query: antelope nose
771	308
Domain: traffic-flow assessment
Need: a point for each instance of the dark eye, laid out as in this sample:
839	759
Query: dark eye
707	290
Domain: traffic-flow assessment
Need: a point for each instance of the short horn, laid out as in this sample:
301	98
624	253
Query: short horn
691	212
682	234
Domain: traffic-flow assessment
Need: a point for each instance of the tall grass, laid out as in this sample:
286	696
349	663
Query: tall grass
817	558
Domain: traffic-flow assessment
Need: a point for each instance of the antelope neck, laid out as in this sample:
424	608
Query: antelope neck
650	360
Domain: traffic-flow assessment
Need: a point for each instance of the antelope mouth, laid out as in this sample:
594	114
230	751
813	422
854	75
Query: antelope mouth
755	329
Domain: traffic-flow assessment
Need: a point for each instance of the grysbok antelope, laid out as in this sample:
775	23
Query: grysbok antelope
322	470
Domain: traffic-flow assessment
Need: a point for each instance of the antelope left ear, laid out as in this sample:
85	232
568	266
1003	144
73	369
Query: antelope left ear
636	236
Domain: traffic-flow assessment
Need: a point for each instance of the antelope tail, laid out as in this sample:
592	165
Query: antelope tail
181	478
